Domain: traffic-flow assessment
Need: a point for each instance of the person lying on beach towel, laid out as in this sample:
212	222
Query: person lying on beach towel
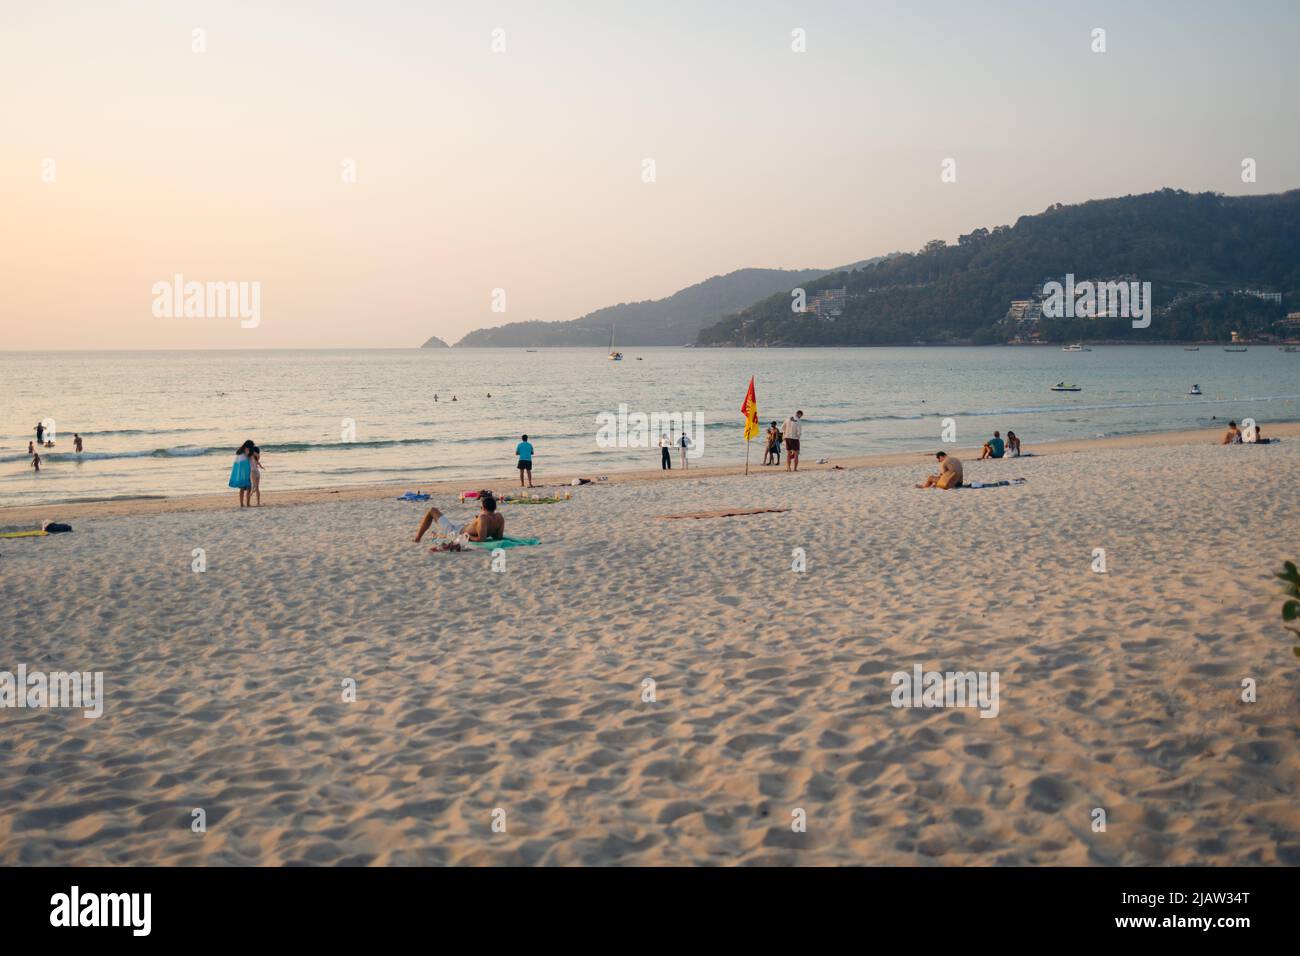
949	473
487	525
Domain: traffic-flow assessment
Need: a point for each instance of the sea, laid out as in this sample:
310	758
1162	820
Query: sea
159	423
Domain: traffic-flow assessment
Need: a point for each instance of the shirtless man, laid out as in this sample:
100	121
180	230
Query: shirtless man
949	473
1232	436
487	525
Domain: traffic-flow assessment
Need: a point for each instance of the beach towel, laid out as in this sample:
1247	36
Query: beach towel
23	534
725	514
506	542
413	496
523	500
993	484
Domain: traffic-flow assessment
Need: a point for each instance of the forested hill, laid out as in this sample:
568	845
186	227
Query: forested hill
1195	249
675	320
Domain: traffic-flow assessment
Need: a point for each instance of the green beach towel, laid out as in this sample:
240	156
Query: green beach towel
504	543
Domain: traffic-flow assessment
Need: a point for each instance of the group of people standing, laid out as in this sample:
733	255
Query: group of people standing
789	433
666	444
246	474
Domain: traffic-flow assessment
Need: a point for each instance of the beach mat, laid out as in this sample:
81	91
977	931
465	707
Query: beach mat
23	534
504	543
735	512
993	484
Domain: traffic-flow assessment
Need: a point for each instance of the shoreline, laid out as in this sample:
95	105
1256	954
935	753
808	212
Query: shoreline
23	515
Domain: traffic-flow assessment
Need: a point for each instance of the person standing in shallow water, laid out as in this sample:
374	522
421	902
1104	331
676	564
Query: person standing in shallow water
241	472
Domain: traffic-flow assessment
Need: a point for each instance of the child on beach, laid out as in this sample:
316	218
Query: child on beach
255	473
241	473
36	462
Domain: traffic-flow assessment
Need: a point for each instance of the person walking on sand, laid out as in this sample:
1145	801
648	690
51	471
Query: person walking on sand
241	473
76	443
684	442
665	453
950	473
525	452
792	430
255	473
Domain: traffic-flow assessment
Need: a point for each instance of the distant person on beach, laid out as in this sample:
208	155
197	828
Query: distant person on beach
525	452
792	430
950	473
684	442
772	454
40	432
36	461
1013	445
255	473
241	473
31	448
993	448
665	452
487	525
76	443
435	396
1232	436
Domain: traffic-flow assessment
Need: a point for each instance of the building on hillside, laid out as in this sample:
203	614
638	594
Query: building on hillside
1274	297
829	303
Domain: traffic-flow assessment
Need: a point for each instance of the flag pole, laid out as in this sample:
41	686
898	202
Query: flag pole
747	456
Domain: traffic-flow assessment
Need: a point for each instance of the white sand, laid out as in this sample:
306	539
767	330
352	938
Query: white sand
521	690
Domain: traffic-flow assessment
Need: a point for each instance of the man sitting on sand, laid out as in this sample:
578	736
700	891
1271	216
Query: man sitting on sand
949	473
993	448
1232	436
487	525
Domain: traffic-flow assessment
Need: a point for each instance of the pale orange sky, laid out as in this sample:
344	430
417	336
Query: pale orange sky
522	169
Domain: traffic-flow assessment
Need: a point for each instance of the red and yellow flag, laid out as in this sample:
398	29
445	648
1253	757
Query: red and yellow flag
750	410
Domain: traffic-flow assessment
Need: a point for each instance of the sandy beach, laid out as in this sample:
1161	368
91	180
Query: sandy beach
518	696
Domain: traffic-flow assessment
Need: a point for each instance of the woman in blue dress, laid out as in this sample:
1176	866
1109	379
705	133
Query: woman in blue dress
241	473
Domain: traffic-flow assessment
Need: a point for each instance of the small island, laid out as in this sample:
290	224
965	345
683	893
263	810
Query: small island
435	343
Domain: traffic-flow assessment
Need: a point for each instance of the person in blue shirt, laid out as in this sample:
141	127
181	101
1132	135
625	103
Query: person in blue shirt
994	447
525	452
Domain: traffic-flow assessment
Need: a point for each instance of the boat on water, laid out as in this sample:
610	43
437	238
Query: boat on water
1191	348
1288	348
1063	387
1238	348
613	355
1194	390
1076	347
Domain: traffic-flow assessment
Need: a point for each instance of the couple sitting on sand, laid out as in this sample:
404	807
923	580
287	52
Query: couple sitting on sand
995	447
1252	435
487	525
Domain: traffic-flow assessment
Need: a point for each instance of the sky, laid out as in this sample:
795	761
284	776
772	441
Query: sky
135	149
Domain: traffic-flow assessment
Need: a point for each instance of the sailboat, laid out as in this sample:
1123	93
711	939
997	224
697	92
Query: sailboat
613	356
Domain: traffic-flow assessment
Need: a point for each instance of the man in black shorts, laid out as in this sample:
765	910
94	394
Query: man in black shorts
525	452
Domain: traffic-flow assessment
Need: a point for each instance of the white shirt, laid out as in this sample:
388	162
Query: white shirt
792	428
